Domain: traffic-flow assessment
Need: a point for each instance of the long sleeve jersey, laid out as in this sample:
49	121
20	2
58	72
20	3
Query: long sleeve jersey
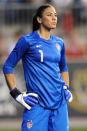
43	62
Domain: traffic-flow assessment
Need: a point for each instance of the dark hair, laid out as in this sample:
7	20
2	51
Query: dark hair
38	13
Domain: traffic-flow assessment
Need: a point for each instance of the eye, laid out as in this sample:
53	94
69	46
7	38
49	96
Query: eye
55	15
48	14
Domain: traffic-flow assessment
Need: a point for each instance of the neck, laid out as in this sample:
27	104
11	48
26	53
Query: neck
45	34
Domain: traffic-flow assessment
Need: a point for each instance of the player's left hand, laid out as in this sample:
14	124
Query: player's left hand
68	94
26	99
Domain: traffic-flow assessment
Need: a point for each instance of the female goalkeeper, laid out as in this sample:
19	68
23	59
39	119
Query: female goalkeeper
46	75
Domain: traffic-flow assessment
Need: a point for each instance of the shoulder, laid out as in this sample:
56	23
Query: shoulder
24	41
58	40
28	37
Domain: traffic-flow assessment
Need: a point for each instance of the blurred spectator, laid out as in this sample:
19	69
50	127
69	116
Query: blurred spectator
61	3
26	1
84	2
15	1
7	1
75	50
67	22
86	46
3	50
77	9
17	35
3	1
35	1
23	15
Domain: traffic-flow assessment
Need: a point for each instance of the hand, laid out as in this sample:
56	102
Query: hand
26	99
68	94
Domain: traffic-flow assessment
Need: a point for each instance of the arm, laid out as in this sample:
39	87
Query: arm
63	66
27	100
11	62
68	94
10	81
65	77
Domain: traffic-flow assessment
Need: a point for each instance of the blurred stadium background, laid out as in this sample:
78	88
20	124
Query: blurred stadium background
15	21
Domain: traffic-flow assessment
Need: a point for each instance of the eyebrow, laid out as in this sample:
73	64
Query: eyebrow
50	13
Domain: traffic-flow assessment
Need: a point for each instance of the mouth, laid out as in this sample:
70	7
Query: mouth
54	23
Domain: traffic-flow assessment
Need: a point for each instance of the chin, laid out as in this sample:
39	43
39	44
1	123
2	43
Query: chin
53	27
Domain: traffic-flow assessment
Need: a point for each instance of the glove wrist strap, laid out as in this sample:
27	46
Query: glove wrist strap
15	92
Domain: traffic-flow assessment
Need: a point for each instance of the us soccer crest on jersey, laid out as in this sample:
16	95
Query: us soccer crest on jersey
58	47
29	124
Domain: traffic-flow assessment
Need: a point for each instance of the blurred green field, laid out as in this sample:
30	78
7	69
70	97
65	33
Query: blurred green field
78	129
72	129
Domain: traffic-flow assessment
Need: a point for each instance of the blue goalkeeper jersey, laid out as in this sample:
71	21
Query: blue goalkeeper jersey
43	62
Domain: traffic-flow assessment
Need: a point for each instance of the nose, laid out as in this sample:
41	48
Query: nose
54	18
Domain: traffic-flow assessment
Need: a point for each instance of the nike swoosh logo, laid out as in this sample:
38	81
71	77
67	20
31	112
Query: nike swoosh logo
38	46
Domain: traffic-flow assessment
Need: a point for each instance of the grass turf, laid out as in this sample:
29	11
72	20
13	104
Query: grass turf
78	129
71	129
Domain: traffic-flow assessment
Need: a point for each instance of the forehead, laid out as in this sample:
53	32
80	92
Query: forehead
49	10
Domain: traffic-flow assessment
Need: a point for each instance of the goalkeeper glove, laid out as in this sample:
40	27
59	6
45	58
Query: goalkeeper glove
68	94
26	99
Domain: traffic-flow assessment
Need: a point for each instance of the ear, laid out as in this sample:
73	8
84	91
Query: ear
39	20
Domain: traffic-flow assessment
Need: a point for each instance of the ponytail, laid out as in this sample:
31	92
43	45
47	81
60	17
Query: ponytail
36	25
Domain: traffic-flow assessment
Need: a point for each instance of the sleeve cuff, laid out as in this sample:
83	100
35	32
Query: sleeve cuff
7	70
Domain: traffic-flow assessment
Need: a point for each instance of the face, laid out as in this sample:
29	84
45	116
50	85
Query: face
49	18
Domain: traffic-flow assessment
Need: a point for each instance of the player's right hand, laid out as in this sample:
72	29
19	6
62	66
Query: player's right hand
26	99
68	94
